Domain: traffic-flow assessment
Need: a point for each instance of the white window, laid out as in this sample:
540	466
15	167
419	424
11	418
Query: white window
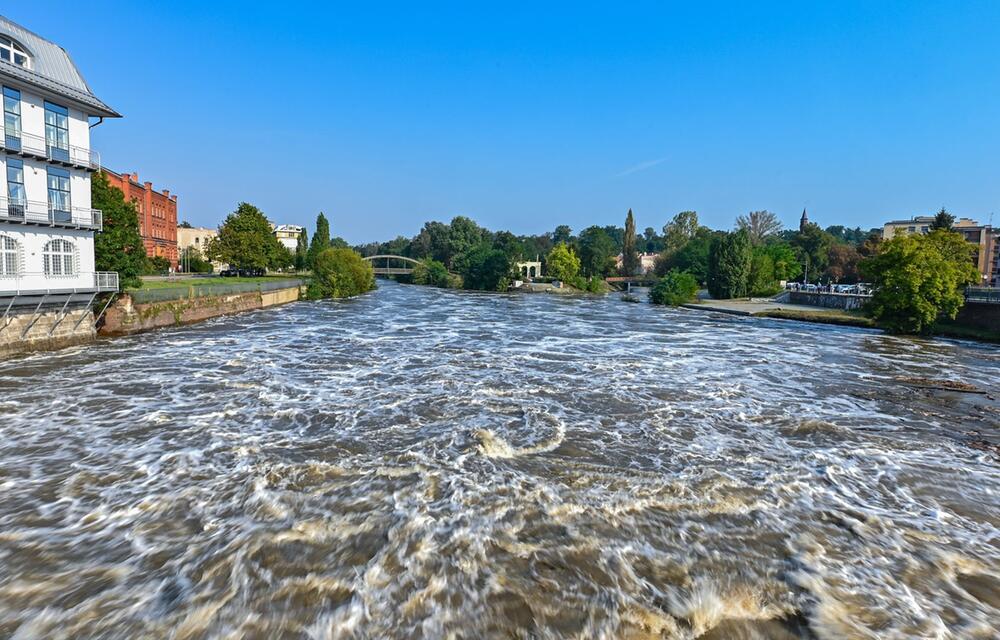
13	52
8	257
59	257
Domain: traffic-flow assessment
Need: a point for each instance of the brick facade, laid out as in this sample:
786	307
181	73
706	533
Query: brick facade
157	214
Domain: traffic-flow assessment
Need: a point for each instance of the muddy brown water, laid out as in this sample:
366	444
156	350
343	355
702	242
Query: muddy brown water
419	463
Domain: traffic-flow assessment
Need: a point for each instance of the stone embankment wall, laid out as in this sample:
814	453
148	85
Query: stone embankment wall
47	330
981	315
845	301
127	316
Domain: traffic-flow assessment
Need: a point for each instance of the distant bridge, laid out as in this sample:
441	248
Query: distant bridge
382	267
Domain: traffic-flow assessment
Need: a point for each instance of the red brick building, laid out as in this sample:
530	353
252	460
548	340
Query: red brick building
157	214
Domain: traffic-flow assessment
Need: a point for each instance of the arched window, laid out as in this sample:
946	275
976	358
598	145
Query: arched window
13	52
59	257
9	254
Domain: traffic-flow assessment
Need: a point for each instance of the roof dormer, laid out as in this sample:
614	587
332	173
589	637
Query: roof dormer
12	51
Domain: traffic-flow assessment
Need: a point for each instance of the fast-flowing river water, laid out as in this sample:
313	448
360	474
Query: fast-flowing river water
418	463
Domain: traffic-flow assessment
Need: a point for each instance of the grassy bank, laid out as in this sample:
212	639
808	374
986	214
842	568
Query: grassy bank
184	281
947	329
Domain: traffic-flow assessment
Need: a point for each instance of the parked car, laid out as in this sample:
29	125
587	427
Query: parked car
229	273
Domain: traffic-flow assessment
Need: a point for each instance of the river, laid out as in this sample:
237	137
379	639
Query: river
418	463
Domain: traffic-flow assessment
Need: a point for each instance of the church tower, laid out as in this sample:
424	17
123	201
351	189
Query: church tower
803	221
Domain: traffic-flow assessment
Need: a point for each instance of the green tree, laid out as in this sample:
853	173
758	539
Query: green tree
812	245
679	231
943	220
563	264
463	236
919	279
729	263
245	241
630	257
486	269
692	257
119	246
762	281
675	288
432	273
320	239
597	252
759	225
563	234
302	251
340	273
786	263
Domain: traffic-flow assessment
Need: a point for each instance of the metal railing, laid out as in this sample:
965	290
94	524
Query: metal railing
33	212
39	283
33	145
982	294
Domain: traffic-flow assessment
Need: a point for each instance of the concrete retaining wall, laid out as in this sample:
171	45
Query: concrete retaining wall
126	317
63	327
829	300
981	315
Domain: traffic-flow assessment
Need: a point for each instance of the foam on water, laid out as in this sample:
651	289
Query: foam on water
428	464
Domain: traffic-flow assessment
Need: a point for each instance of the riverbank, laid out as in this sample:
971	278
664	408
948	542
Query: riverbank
839	317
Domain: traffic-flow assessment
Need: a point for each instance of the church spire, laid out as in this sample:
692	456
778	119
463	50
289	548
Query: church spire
804	220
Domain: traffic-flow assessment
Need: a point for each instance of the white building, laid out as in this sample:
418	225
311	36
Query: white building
288	235
47	224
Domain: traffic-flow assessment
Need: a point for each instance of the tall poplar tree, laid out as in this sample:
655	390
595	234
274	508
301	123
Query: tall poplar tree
320	240
119	247
630	258
302	251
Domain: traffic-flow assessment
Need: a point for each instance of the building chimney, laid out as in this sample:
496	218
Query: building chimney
166	193
148	185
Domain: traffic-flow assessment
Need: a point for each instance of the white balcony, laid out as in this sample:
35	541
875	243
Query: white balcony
42	213
32	146
36	283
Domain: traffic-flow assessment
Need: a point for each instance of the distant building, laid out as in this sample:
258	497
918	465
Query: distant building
288	235
982	238
157	214
647	262
529	269
197	238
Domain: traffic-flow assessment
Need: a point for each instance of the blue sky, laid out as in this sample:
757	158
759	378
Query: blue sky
525	116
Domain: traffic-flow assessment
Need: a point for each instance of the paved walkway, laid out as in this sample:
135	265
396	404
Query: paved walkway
750	307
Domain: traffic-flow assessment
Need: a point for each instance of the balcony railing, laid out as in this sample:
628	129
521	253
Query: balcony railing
38	283
32	212
29	144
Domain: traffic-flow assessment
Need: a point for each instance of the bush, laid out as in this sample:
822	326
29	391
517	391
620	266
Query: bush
340	273
432	273
156	266
675	288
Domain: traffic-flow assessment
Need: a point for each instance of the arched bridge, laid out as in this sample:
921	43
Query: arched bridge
382	265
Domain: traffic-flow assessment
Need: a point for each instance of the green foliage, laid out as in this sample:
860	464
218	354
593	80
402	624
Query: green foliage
762	281
340	273
729	264
486	269
845	235
943	220
785	262
812	246
675	288
433	273
245	241
918	280
302	251
630	257
563	264
156	266
320	239
597	252
679	231
193	262
119	246
692	257
562	235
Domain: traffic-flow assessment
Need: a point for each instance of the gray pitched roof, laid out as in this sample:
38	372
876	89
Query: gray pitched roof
51	69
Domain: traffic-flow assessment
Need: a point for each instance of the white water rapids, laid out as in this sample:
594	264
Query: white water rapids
418	463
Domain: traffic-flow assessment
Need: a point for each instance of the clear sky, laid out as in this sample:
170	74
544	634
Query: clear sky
525	116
